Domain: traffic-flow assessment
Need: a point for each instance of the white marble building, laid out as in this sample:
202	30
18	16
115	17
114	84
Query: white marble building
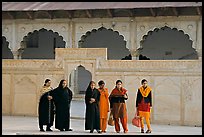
176	84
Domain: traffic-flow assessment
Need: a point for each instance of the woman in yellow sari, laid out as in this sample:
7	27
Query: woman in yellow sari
144	104
46	107
103	105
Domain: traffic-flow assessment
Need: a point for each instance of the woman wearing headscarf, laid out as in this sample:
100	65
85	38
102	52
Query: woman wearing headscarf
62	96
46	107
92	116
144	104
103	105
118	106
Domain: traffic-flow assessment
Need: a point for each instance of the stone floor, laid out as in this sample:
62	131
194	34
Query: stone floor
25	125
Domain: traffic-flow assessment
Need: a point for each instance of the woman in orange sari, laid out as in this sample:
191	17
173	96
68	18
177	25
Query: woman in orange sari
144	105
118	106
103	105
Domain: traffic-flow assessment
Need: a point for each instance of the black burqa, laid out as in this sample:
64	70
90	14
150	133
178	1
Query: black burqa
92	116
62	98
45	110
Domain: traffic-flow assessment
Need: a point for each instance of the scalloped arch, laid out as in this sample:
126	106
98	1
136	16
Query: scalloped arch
40	44
167	43
150	32
116	46
36	31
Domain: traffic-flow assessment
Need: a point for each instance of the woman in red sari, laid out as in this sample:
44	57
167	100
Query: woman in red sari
144	105
118	106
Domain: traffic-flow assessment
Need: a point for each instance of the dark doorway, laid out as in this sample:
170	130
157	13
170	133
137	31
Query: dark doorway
79	80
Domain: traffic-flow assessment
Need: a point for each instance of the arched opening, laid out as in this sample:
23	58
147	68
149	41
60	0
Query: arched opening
79	80
167	44
106	38
6	51
41	44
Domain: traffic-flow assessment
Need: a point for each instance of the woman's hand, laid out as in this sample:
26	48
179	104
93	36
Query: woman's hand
49	97
93	99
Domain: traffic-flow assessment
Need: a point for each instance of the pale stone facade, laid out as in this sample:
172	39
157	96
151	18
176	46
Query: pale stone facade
176	84
132	29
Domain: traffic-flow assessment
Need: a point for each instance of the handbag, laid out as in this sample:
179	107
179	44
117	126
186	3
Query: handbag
136	121
111	121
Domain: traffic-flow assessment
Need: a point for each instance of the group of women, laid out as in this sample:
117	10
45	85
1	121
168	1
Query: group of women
98	104
55	101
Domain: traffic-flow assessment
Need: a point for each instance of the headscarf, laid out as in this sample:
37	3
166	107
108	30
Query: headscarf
145	91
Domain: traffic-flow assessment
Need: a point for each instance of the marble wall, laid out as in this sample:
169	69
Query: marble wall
176	84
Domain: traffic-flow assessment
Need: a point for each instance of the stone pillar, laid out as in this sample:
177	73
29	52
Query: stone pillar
71	81
132	39
132	52
15	54
13	41
199	39
199	54
76	81
135	54
72	34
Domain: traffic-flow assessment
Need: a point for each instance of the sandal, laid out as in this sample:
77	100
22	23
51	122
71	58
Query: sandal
148	131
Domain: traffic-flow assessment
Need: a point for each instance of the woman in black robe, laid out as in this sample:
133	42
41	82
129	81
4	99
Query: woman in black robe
46	107
92	116
62	97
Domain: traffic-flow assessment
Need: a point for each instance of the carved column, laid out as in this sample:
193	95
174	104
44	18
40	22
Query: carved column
72	81
15	54
199	39
76	81
72	35
13	44
132	39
